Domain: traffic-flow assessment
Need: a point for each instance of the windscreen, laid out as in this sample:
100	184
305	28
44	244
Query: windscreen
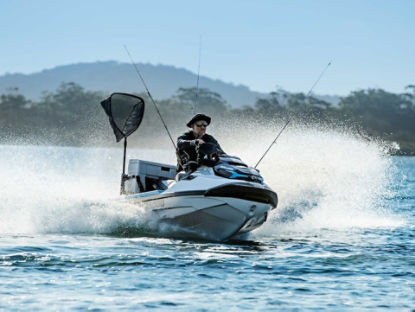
125	112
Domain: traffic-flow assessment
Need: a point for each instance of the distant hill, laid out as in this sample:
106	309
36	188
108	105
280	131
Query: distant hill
111	76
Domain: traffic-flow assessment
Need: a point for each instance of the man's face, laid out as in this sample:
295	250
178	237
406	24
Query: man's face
199	127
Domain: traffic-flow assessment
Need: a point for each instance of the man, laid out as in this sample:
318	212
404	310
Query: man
187	142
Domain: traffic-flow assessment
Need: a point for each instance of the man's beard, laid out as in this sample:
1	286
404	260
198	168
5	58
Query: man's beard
198	135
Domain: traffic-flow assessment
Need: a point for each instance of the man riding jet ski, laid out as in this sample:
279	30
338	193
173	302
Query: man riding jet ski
217	198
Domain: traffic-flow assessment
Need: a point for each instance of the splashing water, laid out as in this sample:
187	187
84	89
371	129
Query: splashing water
324	179
62	190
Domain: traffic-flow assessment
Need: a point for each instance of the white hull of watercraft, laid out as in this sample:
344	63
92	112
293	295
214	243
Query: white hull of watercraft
205	218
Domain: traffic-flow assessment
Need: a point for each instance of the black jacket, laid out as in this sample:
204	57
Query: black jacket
187	151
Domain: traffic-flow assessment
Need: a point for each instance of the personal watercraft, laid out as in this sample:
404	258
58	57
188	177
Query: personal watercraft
218	197
217	201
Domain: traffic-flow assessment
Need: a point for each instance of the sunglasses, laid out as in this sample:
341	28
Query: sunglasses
201	124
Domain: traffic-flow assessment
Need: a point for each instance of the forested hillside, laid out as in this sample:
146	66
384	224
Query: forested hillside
72	115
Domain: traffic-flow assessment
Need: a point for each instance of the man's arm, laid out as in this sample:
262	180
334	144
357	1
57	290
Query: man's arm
213	141
184	142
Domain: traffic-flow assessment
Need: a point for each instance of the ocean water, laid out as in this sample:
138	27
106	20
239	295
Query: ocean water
341	239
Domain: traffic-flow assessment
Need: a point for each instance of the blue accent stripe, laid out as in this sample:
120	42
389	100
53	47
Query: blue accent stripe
237	175
146	194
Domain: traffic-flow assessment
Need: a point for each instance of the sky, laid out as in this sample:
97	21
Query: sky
263	44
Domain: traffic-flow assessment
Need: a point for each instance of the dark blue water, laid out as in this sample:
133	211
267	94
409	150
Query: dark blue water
343	238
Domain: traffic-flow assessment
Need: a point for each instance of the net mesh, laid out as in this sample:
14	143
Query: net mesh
125	112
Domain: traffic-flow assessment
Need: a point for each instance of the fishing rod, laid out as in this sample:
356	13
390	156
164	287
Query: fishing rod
198	76
149	95
286	124
273	142
319	77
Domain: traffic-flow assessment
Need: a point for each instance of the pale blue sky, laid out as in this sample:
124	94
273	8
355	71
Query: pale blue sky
261	44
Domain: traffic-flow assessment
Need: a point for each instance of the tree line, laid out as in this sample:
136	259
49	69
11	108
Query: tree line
72	115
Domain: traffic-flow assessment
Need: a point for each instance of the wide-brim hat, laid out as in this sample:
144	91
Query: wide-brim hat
198	117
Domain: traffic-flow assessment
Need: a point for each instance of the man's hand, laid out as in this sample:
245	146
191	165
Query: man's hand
197	142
